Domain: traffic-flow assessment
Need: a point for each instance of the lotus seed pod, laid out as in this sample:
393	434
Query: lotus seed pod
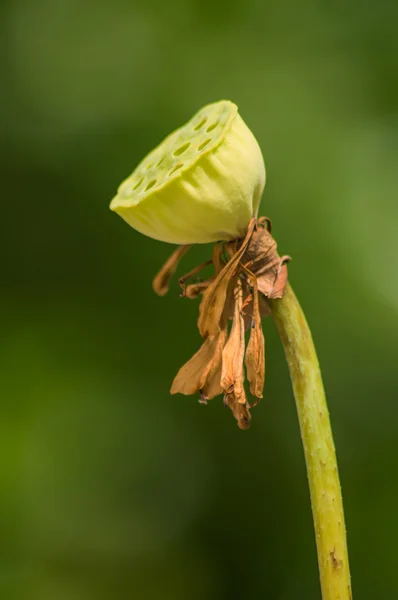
202	184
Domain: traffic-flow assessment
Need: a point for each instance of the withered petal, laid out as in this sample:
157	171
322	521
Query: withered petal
200	370
255	352
192	376
191	274
247	305
265	310
212	387
272	283
240	411
265	222
281	279
212	305
218	262
161	281
261	252
232	376
193	290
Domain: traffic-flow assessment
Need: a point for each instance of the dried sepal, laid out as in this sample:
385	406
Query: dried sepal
161	281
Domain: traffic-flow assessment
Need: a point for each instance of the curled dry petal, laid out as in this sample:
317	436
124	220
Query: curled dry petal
232	376
214	298
195	374
161	281
272	283
265	310
261	255
193	290
255	352
212	386
191	274
281	278
240	411
262	259
247	309
217	260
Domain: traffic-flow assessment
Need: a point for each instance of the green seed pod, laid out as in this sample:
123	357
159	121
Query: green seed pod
202	184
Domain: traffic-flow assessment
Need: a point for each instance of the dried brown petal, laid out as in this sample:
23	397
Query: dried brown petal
240	411
272	283
189	378
260	254
214	298
265	310
161	281
218	262
232	377
193	290
265	222
255	352
212	387
247	305
262	259
281	279
191	274
193	376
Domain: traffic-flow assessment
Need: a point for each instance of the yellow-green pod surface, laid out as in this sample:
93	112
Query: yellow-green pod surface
202	184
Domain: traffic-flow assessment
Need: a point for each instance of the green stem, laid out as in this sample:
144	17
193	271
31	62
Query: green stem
320	456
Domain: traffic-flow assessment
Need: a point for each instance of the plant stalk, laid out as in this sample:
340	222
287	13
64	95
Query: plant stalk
320	455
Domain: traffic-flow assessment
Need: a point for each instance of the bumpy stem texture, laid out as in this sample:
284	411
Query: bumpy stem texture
320	456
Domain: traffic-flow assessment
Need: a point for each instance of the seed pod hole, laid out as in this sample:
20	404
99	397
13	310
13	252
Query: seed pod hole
212	126
150	185
149	166
200	124
160	162
203	145
181	149
175	169
137	185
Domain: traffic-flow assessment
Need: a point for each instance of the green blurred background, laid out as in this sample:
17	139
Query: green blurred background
109	487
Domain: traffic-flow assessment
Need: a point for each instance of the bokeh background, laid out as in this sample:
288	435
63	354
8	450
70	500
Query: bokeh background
109	487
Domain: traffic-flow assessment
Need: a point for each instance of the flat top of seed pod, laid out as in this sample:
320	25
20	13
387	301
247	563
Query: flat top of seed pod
177	153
